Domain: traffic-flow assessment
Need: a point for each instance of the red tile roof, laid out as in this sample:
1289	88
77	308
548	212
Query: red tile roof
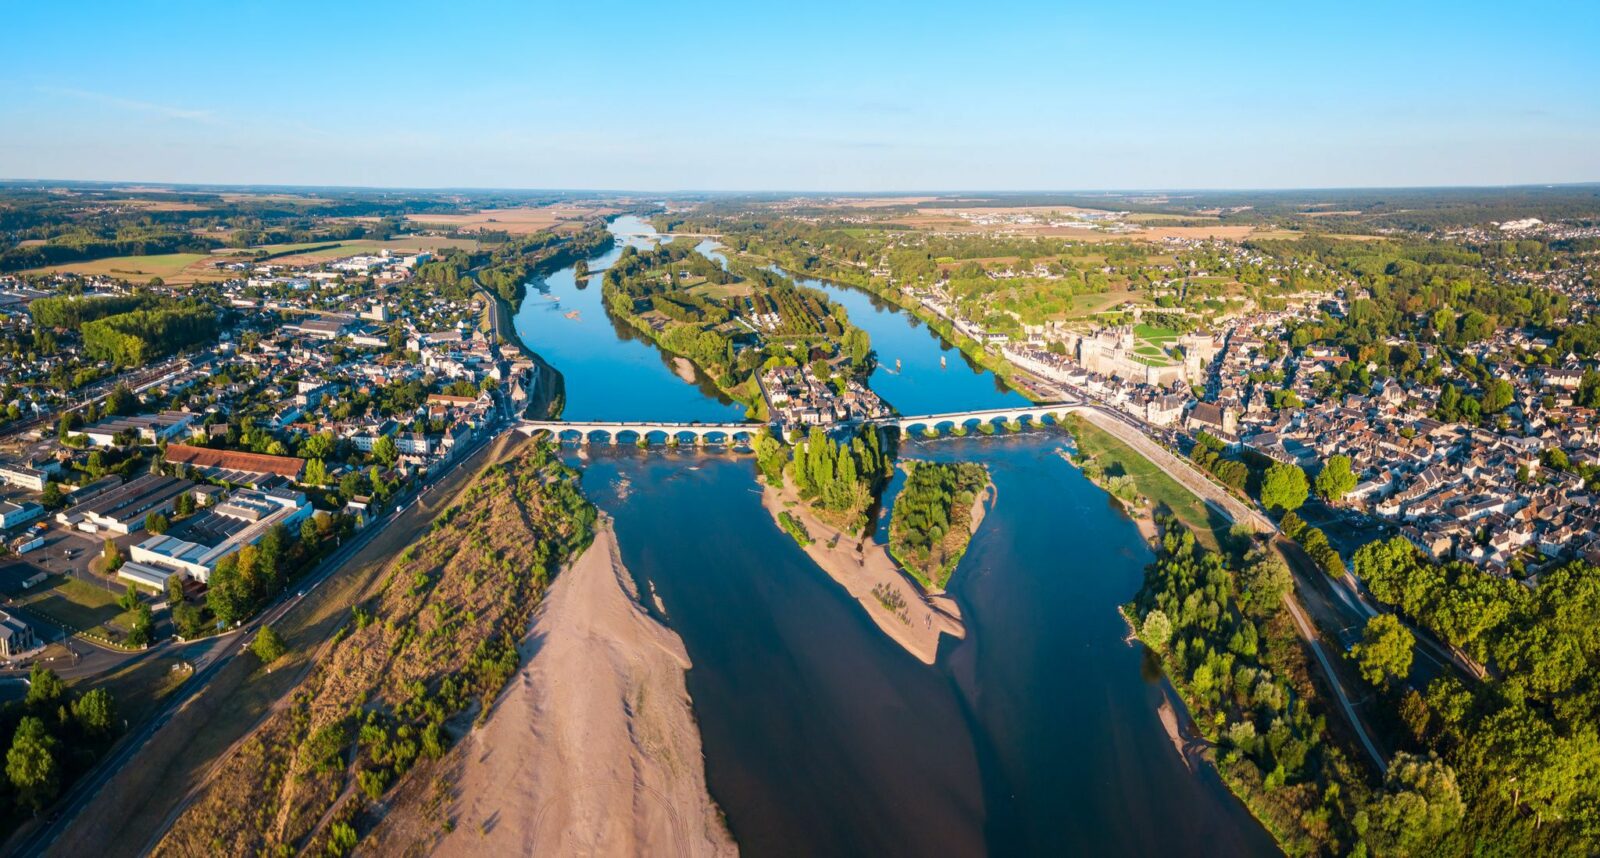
234	460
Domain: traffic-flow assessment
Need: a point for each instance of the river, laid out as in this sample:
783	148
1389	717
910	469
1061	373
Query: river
1037	734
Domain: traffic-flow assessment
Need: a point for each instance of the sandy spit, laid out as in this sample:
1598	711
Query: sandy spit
860	565
593	748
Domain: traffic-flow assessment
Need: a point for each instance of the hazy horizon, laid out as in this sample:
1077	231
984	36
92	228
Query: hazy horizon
1015	97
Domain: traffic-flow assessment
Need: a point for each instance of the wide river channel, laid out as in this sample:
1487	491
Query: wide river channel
1037	734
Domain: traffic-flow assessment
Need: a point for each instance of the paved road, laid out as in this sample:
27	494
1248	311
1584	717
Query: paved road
207	667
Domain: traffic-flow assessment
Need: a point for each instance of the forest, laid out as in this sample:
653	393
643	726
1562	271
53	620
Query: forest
931	523
1523	740
1219	628
135	338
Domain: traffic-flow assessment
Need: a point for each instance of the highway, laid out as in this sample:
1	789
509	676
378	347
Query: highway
83	792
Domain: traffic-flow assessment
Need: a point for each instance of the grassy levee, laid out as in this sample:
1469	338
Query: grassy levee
404	675
139	803
1114	458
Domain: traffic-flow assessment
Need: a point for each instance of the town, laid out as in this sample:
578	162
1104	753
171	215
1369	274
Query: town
335	386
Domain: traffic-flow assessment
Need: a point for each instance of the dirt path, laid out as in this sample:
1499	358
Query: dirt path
593	749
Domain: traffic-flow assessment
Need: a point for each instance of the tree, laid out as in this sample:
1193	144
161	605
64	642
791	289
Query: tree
45	689
1336	479
1156	630
1497	396
95	712
184	505
1384	652
1263	583
385	451
174	589
316	473
156	523
52	497
143	624
1291	525
31	764
129	598
189	620
1284	487
268	645
350	485
111	555
225	593
1420	804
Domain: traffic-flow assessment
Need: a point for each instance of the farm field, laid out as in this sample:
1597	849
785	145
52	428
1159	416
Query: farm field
188	268
170	267
524	220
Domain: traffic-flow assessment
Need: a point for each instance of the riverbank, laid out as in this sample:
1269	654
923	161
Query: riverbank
548	396
594	749
895	603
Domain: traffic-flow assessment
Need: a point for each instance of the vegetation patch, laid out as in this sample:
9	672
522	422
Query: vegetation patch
932	521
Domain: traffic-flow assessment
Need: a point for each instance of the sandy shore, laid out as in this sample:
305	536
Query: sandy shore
684	368
862	566
593	748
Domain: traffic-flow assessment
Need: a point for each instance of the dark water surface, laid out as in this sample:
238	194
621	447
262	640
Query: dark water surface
1037	734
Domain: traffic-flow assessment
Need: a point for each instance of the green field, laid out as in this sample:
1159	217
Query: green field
1153	334
1117	458
167	266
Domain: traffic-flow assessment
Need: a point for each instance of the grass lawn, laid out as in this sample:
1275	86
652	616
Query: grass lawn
1117	458
76	603
1153	334
1098	302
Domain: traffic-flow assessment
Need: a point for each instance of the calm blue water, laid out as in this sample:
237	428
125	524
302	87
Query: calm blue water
919	385
611	372
1038	734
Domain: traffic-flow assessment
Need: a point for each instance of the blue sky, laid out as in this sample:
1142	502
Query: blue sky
852	96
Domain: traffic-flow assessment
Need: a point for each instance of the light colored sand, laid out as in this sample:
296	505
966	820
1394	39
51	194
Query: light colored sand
860	565
593	749
684	369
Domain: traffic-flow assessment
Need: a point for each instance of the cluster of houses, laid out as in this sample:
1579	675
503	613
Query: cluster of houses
1486	495
796	397
305	344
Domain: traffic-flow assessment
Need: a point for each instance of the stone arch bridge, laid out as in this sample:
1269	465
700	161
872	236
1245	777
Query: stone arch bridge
1038	414
701	434
618	432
